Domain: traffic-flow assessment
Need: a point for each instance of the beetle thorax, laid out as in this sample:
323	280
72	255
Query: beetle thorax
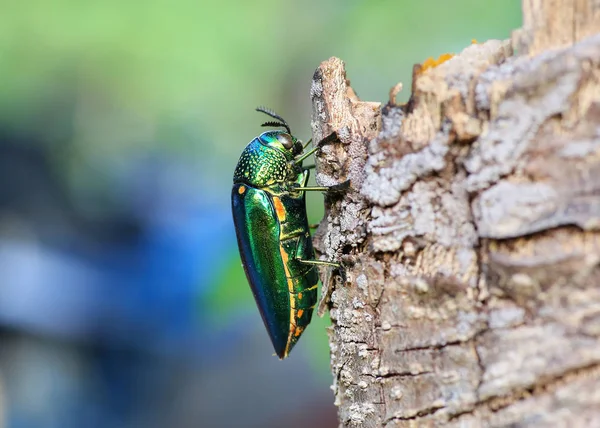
261	166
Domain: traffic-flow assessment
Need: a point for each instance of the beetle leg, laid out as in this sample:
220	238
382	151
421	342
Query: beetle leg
306	144
311	189
335	188
330	283
344	185
300	250
340	268
330	138
320	262
305	244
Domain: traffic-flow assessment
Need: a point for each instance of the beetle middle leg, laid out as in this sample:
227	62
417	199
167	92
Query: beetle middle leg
335	188
319	262
304	248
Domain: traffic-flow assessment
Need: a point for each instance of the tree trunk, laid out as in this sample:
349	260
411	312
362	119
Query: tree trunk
470	233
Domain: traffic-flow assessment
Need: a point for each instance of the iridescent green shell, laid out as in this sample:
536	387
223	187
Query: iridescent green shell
273	237
264	161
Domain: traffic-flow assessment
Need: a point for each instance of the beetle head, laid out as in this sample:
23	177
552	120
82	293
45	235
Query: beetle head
282	141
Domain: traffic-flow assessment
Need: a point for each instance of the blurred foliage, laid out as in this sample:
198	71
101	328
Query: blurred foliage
208	64
110	81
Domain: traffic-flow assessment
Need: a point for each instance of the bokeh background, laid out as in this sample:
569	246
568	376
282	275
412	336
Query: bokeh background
122	298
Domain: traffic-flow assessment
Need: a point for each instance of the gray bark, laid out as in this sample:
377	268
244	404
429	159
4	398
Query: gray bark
470	233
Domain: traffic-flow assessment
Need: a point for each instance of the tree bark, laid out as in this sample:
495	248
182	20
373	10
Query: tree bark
470	233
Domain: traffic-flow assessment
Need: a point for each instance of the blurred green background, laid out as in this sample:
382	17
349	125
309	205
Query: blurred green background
122	297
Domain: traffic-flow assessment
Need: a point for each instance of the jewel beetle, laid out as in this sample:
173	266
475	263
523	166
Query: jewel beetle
269	213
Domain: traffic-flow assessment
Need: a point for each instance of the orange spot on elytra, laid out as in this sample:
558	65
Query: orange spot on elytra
300	296
279	208
285	258
300	312
241	190
298	331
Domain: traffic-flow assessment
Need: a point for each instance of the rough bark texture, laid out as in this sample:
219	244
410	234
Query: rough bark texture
469	234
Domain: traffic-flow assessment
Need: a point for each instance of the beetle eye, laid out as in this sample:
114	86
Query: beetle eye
286	140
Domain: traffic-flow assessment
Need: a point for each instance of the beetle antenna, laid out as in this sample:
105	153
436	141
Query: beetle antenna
273	123
271	113
274	115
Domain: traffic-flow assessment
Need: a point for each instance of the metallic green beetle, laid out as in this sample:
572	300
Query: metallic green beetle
269	212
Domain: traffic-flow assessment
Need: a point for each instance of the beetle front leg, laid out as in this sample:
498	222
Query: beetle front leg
340	268
329	139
